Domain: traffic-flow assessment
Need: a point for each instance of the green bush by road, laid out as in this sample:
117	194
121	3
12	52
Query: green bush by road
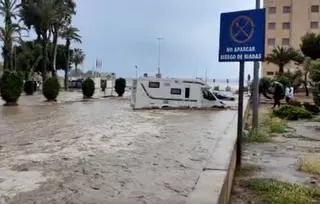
290	112
51	88
11	87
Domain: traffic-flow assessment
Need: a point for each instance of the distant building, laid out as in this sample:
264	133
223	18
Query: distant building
286	22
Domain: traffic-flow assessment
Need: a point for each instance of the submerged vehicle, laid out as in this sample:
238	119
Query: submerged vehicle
224	95
149	92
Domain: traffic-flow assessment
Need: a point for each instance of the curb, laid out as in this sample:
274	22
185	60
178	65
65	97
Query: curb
215	182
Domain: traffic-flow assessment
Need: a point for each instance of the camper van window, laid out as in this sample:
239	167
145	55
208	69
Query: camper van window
208	95
212	98
153	84
187	93
176	91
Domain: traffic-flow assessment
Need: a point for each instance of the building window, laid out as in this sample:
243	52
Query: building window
314	8
286	9
314	24
272	10
285	41
286	26
154	85
271	26
271	41
175	91
270	73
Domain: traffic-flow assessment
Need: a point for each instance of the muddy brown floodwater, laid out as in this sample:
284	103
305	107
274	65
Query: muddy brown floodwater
103	152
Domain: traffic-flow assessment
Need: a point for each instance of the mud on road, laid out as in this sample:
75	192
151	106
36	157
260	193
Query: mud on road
103	152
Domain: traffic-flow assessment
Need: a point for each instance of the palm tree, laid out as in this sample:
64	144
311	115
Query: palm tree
8	35
78	58
281	56
41	16
66	8
69	34
8	9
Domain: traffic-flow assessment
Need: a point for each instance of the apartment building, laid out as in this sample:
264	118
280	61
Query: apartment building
286	22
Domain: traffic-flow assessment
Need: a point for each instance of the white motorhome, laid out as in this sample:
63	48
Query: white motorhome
150	92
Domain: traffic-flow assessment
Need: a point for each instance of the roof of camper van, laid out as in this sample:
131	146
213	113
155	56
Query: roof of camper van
173	79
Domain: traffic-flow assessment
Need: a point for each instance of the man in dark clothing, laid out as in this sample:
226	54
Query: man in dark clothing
278	93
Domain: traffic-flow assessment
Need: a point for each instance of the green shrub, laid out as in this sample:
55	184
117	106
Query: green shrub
278	192
284	80
228	88
11	87
29	87
216	88
88	88
120	86
257	137
264	85
295	103
316	96
292	113
51	88
312	108
277	125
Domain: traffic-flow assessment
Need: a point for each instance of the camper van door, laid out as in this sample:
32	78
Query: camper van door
207	98
187	96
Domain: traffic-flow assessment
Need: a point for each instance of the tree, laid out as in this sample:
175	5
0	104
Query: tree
281	56
41	16
66	8
78	58
264	85
315	71
28	57
315	77
120	86
306	64
8	35
8	9
69	34
310	45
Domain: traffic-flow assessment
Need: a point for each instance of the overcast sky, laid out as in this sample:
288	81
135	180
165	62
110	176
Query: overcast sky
123	33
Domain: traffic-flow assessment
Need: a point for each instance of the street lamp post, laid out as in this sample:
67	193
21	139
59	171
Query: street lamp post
159	55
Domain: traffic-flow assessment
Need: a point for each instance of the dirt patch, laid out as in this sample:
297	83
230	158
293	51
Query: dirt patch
286	163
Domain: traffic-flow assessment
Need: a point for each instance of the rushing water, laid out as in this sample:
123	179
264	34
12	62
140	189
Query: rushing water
103	152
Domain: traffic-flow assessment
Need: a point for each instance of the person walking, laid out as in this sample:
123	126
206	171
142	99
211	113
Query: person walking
278	93
289	94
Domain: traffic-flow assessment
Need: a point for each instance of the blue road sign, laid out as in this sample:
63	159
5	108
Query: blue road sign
242	36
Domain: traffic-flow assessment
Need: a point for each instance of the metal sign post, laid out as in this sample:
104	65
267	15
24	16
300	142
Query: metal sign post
255	95
240	113
242	37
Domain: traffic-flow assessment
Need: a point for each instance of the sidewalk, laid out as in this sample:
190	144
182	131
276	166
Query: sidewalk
215	182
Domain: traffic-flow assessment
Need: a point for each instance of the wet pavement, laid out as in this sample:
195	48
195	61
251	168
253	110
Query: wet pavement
103	152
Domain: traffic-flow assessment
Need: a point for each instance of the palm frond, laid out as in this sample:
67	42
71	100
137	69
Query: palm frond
72	34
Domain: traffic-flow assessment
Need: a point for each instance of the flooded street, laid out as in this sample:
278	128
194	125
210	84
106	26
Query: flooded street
103	152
